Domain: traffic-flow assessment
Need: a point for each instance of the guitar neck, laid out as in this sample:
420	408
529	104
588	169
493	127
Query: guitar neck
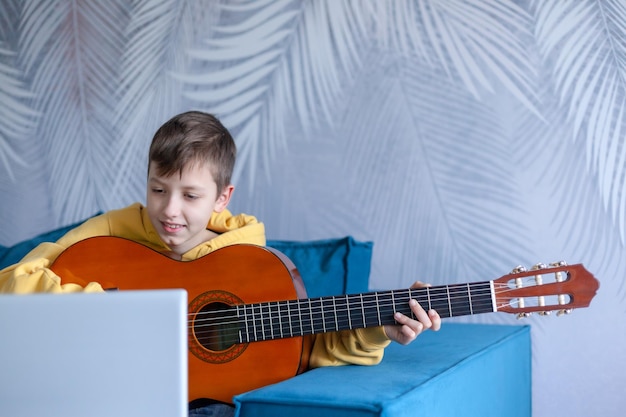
281	319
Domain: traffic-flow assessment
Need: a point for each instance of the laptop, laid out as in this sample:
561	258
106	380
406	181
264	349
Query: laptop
121	353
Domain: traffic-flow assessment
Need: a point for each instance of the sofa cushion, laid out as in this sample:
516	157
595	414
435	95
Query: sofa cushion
330	266
462	370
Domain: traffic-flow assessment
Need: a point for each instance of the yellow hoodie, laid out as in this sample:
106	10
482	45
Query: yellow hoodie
31	274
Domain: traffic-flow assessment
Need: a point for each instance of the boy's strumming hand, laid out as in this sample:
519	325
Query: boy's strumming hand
407	328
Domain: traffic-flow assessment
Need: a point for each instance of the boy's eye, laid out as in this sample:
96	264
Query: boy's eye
157	190
191	196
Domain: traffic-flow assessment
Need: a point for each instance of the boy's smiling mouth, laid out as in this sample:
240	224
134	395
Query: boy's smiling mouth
172	227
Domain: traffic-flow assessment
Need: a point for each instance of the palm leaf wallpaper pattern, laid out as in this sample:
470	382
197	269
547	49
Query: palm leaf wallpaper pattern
462	137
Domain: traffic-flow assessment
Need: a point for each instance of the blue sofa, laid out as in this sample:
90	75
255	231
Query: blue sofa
462	370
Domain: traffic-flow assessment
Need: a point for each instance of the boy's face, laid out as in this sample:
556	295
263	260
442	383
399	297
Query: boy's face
180	206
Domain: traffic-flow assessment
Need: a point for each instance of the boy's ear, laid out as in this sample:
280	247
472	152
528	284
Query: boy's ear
224	198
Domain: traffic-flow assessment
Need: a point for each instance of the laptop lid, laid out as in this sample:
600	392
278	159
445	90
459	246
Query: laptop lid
114	354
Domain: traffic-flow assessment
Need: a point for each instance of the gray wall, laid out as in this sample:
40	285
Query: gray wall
463	138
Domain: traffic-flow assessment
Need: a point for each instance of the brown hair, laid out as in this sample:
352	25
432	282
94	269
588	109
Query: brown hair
194	137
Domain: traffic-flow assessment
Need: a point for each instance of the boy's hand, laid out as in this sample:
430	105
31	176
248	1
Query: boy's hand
408	329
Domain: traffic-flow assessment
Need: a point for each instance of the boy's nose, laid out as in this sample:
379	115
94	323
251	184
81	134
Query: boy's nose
172	207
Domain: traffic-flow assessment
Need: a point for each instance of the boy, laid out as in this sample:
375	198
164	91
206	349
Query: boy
191	161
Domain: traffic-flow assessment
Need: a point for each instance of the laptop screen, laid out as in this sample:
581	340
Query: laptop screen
113	354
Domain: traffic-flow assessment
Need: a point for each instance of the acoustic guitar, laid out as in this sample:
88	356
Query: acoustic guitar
248	305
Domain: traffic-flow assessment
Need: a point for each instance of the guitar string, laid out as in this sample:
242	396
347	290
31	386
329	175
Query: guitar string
209	334
265	323
315	307
344	299
343	302
270	332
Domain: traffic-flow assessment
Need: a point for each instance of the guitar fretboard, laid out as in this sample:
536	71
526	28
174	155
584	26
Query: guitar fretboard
280	319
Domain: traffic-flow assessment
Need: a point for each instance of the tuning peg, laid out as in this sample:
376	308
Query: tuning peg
523	315
518	269
560	278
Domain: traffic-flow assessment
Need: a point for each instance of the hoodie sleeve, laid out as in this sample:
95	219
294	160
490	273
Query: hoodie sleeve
35	276
32	274
349	347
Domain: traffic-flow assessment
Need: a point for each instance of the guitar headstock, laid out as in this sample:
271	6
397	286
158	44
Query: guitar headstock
545	288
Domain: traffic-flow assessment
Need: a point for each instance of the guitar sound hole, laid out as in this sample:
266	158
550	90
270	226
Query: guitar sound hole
215	326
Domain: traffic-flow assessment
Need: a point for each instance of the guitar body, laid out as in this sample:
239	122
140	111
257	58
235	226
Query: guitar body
233	275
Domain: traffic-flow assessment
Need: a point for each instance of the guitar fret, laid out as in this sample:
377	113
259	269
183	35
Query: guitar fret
348	311
240	331
296	324
266	326
462	300
288	326
418	298
323	318
410	312
483	302
259	330
288	323
240	323
386	308
263	321
478	298
449	302
300	319
306	324
252	333
308	314
251	325
363	311
291	313
280	320
439	300
297	318
268	320
269	323
421	297
311	314
273	323
276	330
330	313
343	317
318	324
259	322
357	310
372	312
378	310
403	299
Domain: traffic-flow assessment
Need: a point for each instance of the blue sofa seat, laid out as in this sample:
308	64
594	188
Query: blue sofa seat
462	370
